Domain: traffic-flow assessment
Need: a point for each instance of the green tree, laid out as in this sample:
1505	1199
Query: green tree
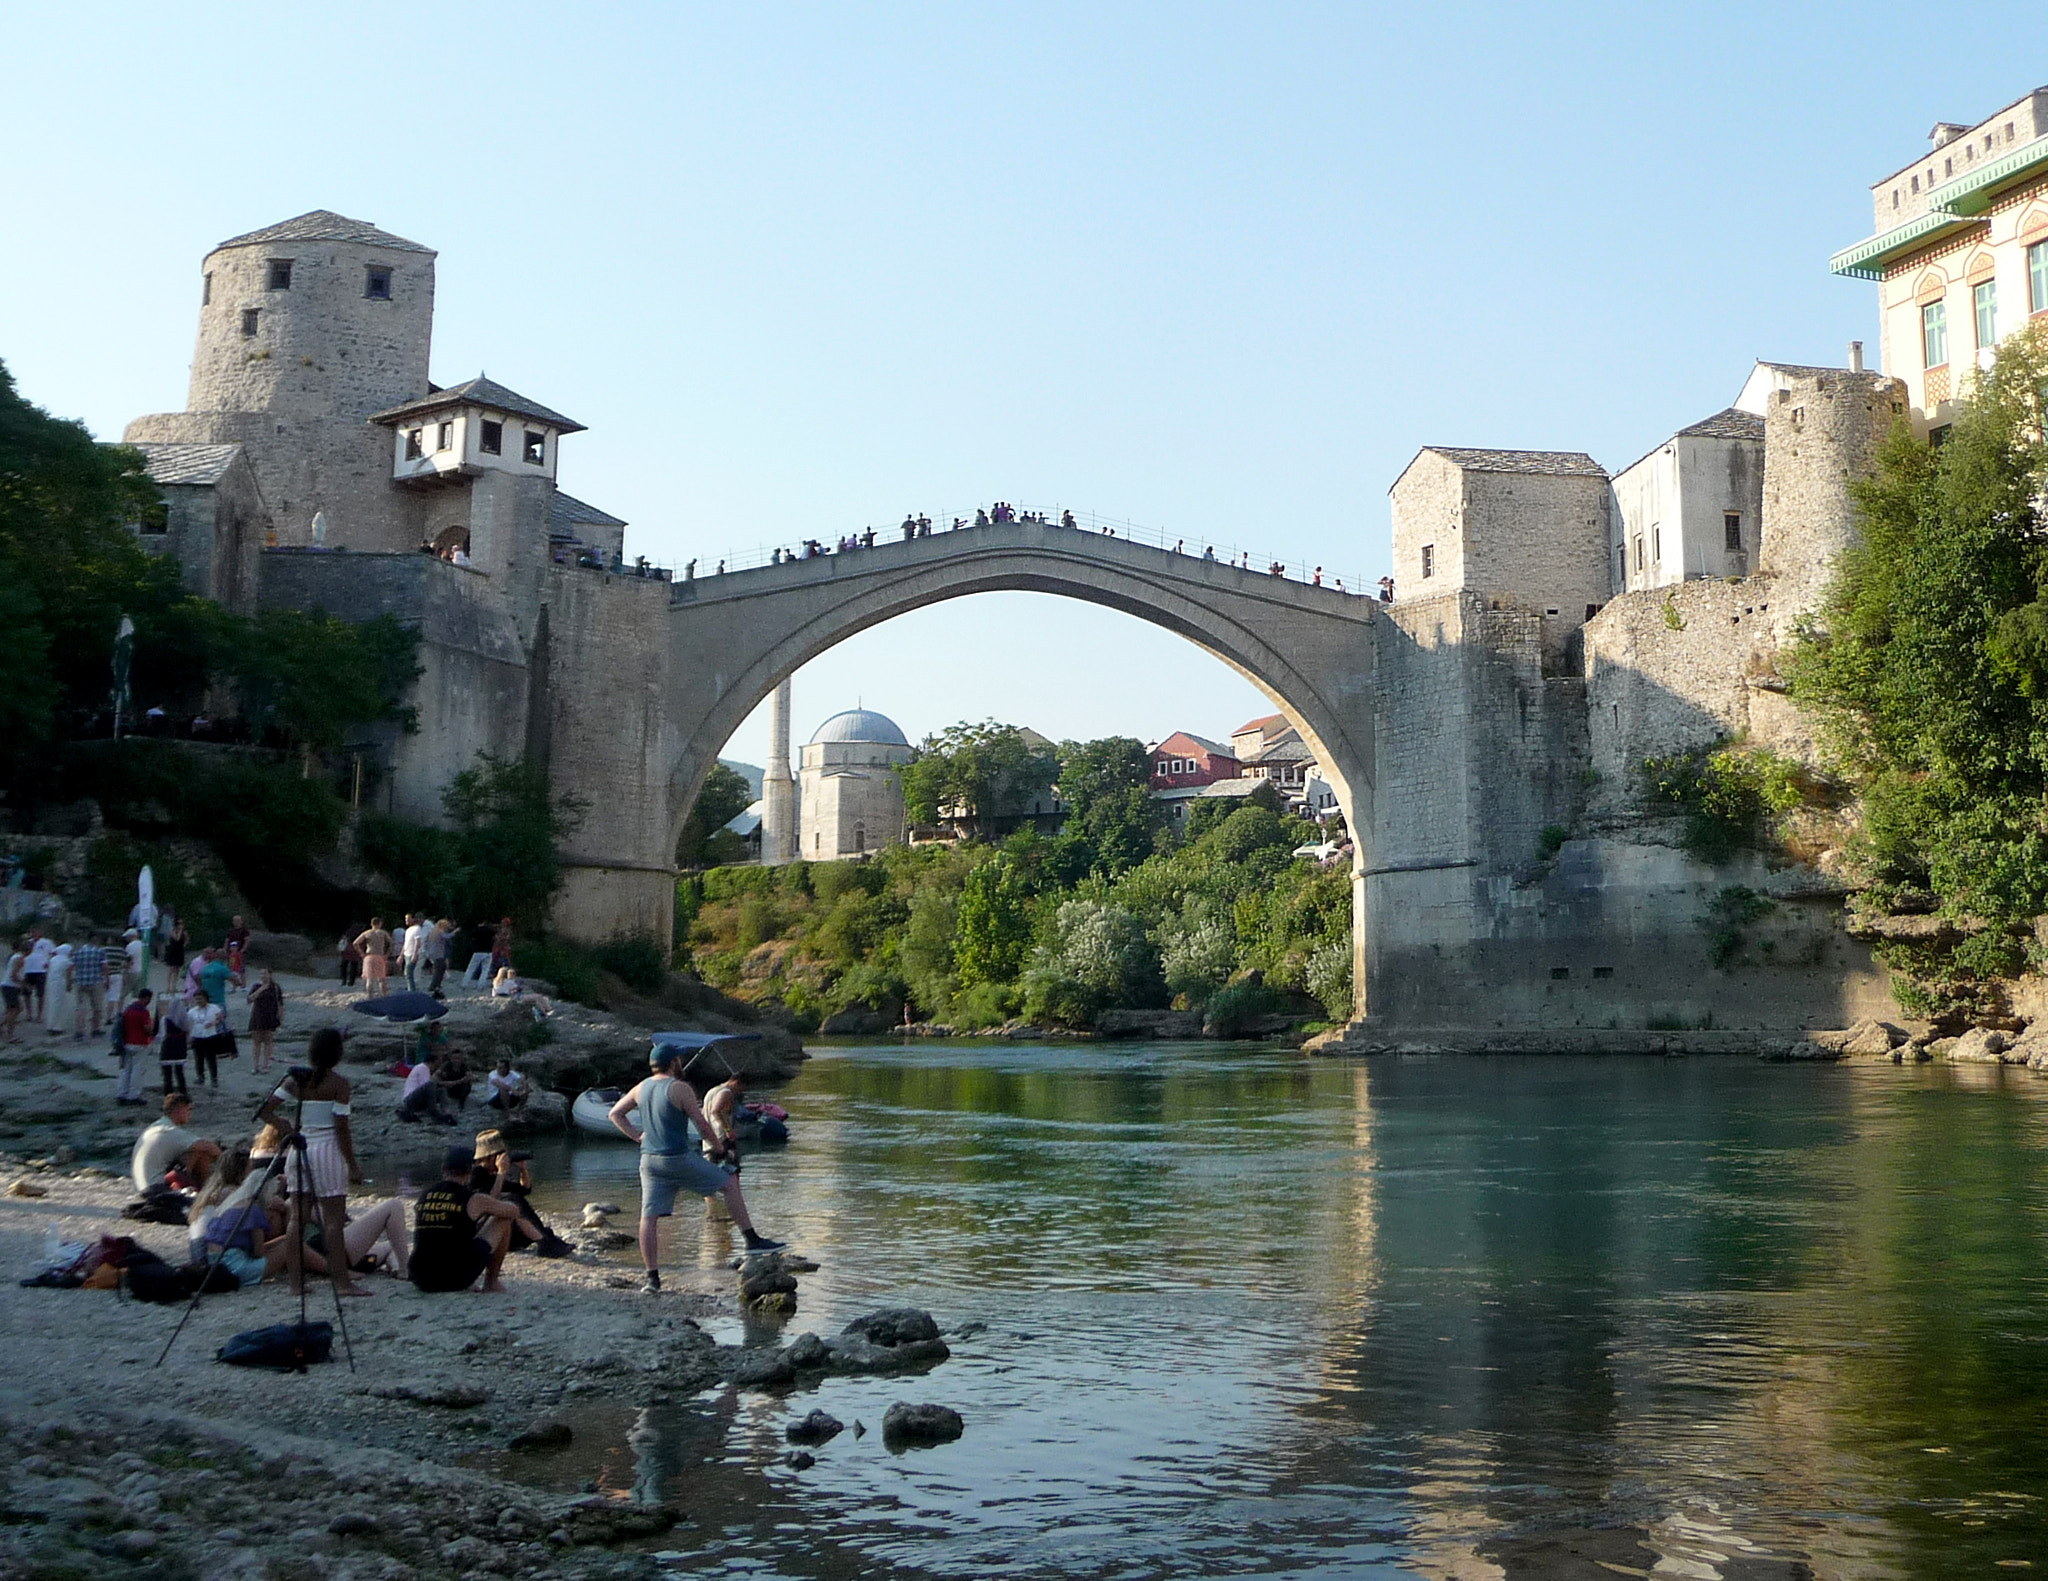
1928	663
724	797
313	678
69	568
975	774
1107	786
993	922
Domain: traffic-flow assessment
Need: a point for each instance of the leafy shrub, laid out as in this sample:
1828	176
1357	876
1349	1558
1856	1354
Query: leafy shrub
1727	795
1329	979
984	1005
1232	1012
1727	919
635	960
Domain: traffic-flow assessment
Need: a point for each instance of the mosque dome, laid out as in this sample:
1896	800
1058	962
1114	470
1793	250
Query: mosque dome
863	725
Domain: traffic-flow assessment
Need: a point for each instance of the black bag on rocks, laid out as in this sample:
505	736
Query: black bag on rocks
282	1347
147	1277
159	1205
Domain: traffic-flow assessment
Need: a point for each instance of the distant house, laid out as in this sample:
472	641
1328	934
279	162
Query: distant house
1186	761
747	826
1042	809
1251	738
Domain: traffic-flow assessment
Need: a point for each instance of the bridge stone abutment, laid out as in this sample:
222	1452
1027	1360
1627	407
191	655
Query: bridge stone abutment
636	747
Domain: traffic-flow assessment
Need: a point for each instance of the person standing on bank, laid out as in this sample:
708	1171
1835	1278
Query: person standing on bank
138	1032
439	937
668	1161
412	950
176	943
327	1168
266	1015
375	943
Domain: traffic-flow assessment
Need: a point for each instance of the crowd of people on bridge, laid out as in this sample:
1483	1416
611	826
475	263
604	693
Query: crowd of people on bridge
917	525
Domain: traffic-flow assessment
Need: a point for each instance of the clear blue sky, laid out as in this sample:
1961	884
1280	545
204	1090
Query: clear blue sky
1217	269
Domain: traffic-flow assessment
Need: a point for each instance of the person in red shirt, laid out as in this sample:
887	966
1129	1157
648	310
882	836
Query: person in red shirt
138	1032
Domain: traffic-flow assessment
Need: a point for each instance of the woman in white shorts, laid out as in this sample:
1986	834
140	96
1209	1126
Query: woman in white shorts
327	1168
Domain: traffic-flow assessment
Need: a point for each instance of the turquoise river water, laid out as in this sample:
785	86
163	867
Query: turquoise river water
1251	1313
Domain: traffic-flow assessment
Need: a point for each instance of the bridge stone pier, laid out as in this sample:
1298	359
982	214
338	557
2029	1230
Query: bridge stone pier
636	742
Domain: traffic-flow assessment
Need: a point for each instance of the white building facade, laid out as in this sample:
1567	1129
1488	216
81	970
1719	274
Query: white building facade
850	796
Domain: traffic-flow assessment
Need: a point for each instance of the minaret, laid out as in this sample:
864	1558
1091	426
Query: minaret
778	786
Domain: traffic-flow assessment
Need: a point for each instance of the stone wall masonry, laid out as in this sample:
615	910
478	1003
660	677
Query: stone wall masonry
340	465
611	739
1540	541
1428	503
1670	669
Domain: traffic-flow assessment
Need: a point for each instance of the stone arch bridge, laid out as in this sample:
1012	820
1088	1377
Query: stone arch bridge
724	642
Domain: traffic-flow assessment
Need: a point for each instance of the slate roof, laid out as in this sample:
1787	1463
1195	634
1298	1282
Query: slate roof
1729	423
1290	748
186	463
324	225
1531	463
1799	368
566	513
479	391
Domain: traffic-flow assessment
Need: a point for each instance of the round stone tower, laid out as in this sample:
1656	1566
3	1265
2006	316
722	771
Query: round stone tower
319	316
1822	430
306	328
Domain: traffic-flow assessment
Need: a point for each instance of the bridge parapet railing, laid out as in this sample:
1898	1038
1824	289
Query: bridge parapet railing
944	523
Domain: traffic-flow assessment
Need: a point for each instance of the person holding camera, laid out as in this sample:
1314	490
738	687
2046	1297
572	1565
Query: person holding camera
460	1232
492	1159
326	1167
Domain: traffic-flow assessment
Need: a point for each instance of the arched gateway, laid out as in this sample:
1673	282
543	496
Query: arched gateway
727	641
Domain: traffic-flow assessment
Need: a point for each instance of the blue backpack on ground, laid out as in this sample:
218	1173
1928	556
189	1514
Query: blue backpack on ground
283	1347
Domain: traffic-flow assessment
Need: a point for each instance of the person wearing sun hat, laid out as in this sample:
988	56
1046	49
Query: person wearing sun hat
492	1151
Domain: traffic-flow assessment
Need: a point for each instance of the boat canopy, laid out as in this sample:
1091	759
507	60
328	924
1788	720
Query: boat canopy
691	1041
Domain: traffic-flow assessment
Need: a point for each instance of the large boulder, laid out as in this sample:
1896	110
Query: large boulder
855	1021
542	1111
1978	1046
1153	1024
1869	1039
895	1326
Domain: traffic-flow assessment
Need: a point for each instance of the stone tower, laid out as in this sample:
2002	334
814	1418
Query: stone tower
1822	430
306	328
778	786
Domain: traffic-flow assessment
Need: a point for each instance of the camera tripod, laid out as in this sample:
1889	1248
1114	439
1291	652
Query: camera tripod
294	1148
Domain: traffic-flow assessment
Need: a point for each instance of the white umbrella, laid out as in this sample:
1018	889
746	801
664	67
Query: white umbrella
145	915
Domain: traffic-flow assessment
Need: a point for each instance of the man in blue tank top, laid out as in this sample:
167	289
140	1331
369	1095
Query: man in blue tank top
670	1161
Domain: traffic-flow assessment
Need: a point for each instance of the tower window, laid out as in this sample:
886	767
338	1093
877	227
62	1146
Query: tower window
1731	525
1639	551
2037	277
536	451
413	450
377	282
250	318
206	288
1656	546
491	438
1429	560
280	274
444	437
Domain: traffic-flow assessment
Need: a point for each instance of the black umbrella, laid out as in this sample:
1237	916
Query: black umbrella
402	1007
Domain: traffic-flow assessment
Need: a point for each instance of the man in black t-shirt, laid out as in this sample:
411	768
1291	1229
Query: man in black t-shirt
460	1232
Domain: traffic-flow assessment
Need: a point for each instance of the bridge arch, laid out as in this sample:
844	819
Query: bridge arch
732	639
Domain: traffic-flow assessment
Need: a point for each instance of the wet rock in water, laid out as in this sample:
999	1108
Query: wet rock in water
807	1352
820	1427
602	1521
894	1326
135	1545
760	1369
921	1424
603	1240
544	1434
969	1330
352	1524
800	1460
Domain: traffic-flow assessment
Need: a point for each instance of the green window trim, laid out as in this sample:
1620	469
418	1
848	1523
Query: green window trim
1984	305
1934	335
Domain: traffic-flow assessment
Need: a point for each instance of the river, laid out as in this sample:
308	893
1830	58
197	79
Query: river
1251	1313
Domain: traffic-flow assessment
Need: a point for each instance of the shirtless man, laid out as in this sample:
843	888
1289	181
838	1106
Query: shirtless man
721	1104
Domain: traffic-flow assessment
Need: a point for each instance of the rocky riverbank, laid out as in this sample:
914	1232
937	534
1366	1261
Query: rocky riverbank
110	1464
